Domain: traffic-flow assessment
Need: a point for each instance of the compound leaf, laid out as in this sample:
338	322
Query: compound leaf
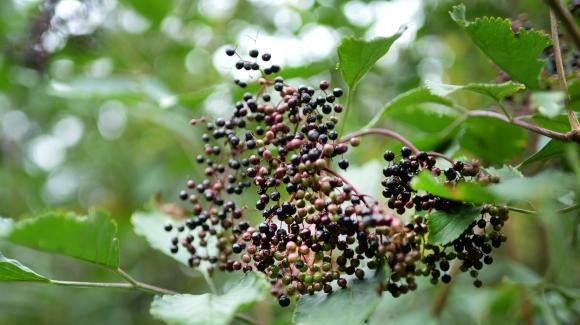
515	53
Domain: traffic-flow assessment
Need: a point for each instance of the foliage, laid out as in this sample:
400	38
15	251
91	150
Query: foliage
94	111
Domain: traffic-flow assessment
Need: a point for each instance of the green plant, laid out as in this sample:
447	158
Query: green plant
318	237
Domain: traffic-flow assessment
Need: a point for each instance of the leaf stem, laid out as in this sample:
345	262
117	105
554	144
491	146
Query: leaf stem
567	19
143	286
247	319
504	110
532	212
349	97
572	118
572	136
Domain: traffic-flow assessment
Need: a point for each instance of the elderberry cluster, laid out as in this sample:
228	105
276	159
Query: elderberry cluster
315	232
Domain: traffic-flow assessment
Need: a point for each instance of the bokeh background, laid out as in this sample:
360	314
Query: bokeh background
95	102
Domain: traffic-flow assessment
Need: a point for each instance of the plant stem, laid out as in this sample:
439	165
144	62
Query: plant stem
114	285
383	132
144	286
247	319
562	12
572	136
349	97
572	118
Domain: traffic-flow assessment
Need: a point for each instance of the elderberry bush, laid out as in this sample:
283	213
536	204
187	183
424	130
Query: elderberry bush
316	230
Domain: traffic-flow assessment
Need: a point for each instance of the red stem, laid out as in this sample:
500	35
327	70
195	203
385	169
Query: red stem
384	132
572	136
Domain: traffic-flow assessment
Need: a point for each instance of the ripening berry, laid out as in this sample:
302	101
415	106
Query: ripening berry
343	164
168	227
284	301
230	51
406	152
254	53
337	92
266	56
389	155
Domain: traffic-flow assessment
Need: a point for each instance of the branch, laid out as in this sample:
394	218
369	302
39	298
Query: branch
383	132
572	136
567	20
560	69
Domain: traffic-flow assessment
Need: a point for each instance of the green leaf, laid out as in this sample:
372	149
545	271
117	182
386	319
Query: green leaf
463	191
551	150
495	91
413	97
357	56
349	306
12	270
492	140
210	308
5	226
445	227
548	103
517	54
547	185
505	173
92	239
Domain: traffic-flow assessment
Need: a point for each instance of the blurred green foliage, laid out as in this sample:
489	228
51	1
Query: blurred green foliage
96	98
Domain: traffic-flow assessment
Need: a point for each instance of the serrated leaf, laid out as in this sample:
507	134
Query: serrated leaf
445	226
209	308
548	103
413	97
495	91
5	226
551	150
13	270
357	56
349	306
92	238
462	191
517	54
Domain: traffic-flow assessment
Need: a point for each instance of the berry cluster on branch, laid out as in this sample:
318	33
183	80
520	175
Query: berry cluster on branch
309	230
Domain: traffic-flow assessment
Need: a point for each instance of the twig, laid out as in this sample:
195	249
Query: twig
572	136
383	132
111	285
144	286
572	118
567	19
